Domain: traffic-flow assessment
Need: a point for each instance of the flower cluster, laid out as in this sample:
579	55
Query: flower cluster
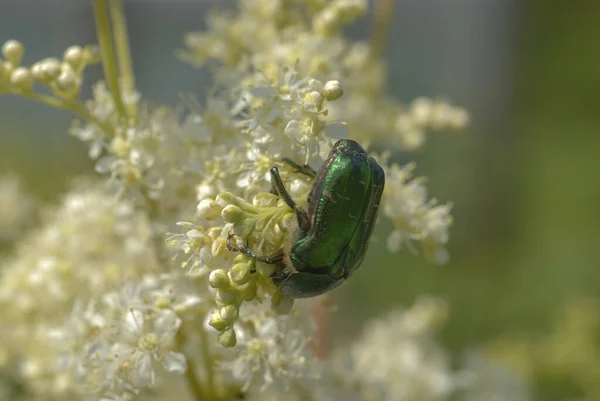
17	209
62	77
268	34
93	303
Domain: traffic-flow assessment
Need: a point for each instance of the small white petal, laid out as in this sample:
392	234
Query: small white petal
174	362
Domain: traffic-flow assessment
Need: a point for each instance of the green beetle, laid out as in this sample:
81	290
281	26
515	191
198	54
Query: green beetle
333	235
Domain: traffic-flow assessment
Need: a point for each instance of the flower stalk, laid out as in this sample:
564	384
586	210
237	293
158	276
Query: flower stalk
109	61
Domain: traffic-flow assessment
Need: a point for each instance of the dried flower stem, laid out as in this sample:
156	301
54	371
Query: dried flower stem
109	62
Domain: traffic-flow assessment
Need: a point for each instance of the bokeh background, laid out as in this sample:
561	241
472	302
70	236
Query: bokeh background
524	179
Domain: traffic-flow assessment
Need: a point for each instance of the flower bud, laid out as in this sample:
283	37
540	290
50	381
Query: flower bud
227	338
249	291
216	321
209	209
225	297
232	214
333	90
21	78
12	51
314	98
265	199
240	273
66	82
218	279
264	269
74	56
229	314
50	70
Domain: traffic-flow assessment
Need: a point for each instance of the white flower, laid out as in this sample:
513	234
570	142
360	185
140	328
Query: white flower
399	359
414	216
272	351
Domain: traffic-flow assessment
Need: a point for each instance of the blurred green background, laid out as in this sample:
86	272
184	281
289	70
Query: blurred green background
524	179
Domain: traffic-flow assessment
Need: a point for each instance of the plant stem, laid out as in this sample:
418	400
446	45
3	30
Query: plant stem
74	107
123	51
382	19
208	367
191	375
107	51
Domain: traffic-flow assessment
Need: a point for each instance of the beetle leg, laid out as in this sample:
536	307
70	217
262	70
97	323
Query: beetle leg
306	169
272	259
277	183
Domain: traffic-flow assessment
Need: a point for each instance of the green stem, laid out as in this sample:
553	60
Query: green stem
73	107
191	376
208	367
123	50
382	19
109	63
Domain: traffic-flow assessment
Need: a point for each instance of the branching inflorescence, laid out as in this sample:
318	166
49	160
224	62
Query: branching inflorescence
94	302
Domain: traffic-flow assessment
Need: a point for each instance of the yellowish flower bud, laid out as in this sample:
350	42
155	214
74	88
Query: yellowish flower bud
216	321
232	214
229	314
240	273
209	209
225	297
74	56
218	279
13	50
21	78
66	82
50	69
264	269
227	338
265	199
333	90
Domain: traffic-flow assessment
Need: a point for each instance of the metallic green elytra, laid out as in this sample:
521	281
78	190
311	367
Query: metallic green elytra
333	234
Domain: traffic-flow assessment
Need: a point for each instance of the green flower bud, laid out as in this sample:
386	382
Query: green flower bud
240	273
249	291
227	338
232	214
216	321
265	199
229	314
218	279
225	297
264	269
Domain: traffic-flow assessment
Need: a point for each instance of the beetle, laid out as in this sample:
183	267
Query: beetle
333	234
